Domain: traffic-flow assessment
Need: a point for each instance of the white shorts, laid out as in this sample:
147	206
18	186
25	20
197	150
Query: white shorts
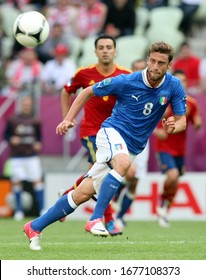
141	163
109	143
26	168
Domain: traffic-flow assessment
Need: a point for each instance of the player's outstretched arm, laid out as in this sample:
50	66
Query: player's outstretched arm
65	102
78	103
174	124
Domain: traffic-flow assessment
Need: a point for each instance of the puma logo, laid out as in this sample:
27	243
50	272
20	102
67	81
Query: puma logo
136	97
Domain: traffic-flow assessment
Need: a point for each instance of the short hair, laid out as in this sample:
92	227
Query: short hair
162	47
138	60
178	71
104	36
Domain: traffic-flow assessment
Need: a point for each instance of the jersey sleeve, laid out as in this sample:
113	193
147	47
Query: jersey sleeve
74	84
178	100
109	86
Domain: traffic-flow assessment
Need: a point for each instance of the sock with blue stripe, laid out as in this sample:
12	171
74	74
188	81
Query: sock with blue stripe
64	206
109	186
18	194
39	195
126	203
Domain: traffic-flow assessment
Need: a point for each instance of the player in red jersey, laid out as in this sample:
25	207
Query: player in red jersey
97	109
170	150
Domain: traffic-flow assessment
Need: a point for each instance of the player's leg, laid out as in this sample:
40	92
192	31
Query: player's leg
111	148
17	178
173	168
17	189
90	145
136	172
34	174
128	196
65	205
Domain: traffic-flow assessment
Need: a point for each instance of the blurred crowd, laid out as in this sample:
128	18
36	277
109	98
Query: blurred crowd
49	66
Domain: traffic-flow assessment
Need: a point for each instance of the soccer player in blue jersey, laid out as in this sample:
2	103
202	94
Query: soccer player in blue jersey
142	98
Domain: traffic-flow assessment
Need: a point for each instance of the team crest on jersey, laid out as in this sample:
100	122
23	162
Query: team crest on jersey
163	100
104	83
107	81
118	147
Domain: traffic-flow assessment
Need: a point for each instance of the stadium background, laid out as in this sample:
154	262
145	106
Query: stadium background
64	161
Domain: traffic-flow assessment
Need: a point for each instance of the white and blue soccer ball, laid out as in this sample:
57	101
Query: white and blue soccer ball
31	29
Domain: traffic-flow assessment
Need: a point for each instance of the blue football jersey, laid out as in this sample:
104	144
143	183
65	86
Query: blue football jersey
139	107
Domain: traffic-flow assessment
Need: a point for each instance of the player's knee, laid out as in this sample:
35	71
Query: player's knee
121	164
173	175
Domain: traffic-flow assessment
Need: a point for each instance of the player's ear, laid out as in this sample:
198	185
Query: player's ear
169	65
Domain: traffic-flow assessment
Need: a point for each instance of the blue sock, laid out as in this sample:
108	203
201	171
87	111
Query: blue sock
126	203
109	186
65	205
17	194
39	195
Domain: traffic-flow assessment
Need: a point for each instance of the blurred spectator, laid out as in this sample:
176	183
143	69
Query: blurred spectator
25	5
120	19
203	74
58	71
23	133
139	64
56	36
63	13
134	3
22	73
189	8
90	18
190	64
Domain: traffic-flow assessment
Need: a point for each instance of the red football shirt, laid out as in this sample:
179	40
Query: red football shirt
175	144
96	109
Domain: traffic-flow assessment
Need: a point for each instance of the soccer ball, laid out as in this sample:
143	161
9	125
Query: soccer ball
31	29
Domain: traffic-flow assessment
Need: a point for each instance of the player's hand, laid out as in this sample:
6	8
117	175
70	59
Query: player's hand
169	124
64	126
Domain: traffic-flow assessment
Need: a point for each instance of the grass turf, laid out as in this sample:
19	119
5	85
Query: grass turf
141	240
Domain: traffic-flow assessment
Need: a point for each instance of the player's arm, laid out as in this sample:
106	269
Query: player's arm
197	122
65	102
69	120
196	117
174	124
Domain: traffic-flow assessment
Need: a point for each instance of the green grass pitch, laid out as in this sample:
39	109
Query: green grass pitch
141	240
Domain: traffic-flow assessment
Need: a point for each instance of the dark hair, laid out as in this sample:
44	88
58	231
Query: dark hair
178	71
184	44
104	36
162	47
138	60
